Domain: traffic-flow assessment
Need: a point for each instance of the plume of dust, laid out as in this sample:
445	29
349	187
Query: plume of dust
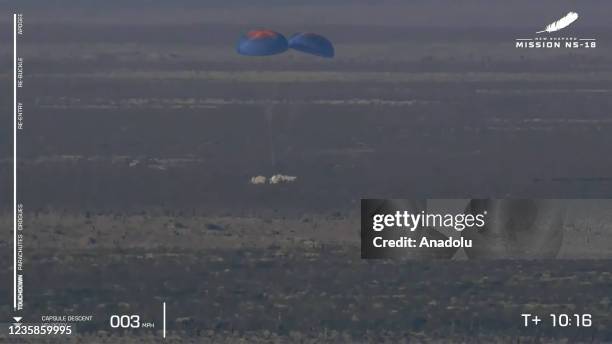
258	180
280	178
275	179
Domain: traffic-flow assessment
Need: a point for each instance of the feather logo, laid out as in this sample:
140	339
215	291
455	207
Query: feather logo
561	23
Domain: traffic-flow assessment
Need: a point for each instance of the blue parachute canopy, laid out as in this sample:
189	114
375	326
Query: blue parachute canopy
262	43
312	43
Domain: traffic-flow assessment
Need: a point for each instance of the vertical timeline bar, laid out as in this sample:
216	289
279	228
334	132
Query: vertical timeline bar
164	322
15	161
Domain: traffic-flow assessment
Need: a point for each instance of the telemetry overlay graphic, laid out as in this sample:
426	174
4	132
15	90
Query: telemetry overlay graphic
306	171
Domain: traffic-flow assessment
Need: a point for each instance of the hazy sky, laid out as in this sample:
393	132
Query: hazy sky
443	13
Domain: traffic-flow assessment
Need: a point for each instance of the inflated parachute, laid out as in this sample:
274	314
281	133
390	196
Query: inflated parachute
262	43
312	43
